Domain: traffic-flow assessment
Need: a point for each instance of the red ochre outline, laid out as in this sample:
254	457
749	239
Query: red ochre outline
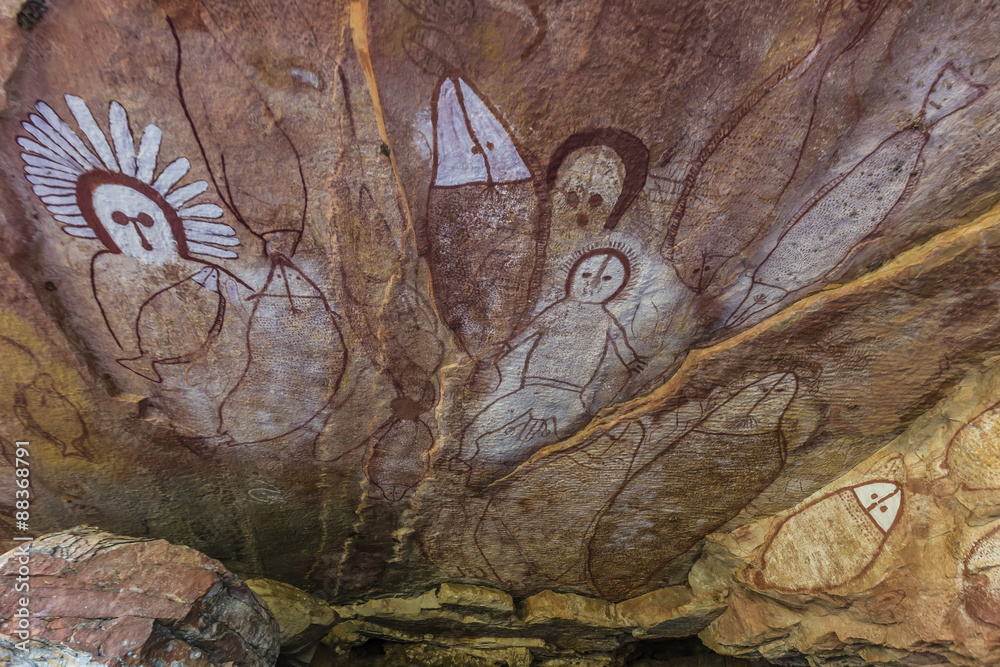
89	181
758	574
632	151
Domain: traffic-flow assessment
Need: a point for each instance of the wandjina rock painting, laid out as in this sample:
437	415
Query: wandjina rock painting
487	221
593	177
849	209
832	540
981	579
114	198
973	454
543	400
146	227
578	312
694	484
740	176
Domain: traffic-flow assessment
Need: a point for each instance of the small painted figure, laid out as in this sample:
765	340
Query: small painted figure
568	343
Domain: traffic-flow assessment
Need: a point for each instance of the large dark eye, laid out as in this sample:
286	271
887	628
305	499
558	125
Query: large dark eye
476	150
595	200
606	278
119	218
587	275
145	220
489	145
572	198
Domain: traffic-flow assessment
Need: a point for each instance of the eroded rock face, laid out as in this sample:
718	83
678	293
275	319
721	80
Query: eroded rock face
97	598
372	297
463	620
302	619
912	583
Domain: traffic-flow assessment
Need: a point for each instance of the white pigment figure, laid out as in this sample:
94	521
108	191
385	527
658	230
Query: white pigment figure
570	341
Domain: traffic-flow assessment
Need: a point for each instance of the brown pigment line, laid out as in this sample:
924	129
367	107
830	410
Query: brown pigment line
936	251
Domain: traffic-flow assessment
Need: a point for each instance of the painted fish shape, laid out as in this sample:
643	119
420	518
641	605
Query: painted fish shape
832	540
973	454
41	407
38	404
487	221
178	323
296	359
981	579
738	179
850	209
701	479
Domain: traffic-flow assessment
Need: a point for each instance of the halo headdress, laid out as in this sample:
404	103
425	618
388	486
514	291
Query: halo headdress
622	251
88	189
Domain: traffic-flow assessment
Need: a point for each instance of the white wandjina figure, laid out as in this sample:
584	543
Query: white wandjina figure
110	194
561	381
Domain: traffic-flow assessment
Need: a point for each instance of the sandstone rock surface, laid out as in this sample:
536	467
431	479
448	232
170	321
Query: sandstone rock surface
90	597
574	324
302	619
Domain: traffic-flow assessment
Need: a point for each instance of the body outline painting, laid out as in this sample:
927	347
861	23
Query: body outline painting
745	430
741	174
597	276
486	226
107	192
307	307
288	303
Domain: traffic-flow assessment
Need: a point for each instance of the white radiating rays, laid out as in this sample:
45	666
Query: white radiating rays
56	158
